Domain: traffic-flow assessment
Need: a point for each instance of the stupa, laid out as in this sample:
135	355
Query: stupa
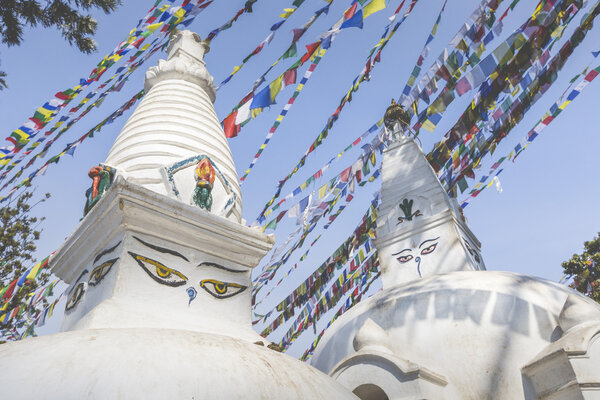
159	268
445	328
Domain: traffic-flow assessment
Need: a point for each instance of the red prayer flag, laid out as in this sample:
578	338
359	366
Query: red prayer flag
349	13
229	126
289	76
310	49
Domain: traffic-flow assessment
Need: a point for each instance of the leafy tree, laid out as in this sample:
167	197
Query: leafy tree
18	235
66	15
584	268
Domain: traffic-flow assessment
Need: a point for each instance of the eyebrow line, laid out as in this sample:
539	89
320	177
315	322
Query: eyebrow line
214	265
428	240
395	254
85	271
104	252
161	249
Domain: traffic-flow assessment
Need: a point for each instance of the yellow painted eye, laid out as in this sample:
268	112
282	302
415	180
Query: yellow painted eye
78	293
99	272
160	272
221	290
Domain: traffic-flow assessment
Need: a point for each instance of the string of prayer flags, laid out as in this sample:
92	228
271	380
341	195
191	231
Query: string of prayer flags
297	34
491	117
542	82
548	117
354	299
246	9
515	68
324	300
290	80
67	121
291	51
329	301
367	153
347	98
268	273
417	68
189	10
338	183
473	31
43	115
253	103
324	273
70	148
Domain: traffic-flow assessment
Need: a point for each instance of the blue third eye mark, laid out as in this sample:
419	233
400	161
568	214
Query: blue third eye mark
191	293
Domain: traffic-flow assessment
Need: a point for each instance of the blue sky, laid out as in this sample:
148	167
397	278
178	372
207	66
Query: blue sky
549	203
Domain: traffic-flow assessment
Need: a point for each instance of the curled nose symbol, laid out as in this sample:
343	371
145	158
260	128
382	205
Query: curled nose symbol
418	259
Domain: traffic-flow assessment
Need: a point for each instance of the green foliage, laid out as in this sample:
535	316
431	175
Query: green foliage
18	235
584	268
66	15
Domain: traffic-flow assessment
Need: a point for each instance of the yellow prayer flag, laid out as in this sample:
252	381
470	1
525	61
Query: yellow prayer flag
373	7
256	111
154	27
563	105
275	87
33	273
287	12
322	191
428	125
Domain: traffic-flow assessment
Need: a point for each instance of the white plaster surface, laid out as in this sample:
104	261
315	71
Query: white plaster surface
435	238
155	364
475	328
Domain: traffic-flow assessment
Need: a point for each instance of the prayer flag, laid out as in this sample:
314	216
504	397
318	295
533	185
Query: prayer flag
355	21
262	99
373	7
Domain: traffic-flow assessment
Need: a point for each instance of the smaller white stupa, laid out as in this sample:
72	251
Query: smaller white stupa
159	269
443	327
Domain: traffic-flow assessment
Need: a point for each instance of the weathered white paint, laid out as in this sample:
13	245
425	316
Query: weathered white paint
434	220
475	328
156	364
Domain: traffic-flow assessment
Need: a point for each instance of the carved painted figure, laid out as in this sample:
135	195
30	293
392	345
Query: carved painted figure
406	207
102	177
205	177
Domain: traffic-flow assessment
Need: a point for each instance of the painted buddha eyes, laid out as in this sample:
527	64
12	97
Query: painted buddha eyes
160	272
221	290
404	259
429	249
100	272
426	247
76	296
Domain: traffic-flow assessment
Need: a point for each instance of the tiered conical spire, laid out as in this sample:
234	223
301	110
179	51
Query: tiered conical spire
176	121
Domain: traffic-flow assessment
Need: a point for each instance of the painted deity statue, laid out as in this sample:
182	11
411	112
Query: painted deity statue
102	177
205	178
